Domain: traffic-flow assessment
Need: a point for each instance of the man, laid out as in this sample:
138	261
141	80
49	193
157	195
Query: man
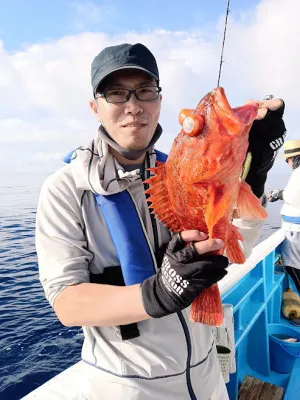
290	213
103	257
139	342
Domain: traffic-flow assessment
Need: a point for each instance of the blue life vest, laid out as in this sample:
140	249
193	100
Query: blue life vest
294	220
136	258
121	216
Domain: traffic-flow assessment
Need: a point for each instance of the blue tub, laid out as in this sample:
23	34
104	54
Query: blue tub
283	354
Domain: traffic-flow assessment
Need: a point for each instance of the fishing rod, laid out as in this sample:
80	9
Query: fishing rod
248	159
224	36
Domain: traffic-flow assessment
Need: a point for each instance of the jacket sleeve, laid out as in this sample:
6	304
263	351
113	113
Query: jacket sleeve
280	110
291	194
61	245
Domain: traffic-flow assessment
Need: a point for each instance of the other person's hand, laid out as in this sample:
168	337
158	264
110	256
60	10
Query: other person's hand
275	195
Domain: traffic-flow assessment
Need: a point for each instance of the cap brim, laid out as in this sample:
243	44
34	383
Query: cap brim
126	67
297	153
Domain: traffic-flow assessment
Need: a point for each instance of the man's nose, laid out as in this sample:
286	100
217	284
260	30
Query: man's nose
133	105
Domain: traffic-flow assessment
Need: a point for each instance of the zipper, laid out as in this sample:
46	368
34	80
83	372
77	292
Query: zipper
189	355
180	316
147	175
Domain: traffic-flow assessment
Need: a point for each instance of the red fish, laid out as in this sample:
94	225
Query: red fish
200	185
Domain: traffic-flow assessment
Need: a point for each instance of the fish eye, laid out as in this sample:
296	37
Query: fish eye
193	124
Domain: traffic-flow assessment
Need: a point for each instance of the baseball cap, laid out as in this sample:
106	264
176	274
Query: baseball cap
123	56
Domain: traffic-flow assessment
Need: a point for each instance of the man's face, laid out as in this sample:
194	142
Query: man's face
133	123
290	161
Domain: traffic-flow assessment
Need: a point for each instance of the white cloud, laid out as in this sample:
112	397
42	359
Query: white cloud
45	88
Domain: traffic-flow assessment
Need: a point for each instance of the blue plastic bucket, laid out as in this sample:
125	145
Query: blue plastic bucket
283	354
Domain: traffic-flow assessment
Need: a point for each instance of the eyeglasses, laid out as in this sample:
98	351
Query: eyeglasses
144	93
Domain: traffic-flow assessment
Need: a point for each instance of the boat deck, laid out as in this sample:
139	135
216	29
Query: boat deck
253	388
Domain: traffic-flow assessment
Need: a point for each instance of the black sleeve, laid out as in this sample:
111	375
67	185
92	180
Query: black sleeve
265	139
280	110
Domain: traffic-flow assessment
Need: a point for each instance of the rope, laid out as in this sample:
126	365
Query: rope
224	35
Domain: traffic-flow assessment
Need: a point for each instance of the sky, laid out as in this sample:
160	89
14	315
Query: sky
46	48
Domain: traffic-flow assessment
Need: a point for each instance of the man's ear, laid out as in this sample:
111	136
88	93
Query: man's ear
93	106
95	111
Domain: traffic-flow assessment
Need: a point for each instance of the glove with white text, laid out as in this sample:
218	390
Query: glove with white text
183	275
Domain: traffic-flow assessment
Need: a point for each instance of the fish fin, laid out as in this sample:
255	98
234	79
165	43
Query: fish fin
230	235
159	198
216	206
248	205
207	308
232	246
219	229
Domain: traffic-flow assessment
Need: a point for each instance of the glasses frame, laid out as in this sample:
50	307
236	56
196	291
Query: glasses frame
129	93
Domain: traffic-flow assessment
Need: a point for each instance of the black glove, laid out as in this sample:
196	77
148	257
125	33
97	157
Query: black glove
183	275
275	195
266	137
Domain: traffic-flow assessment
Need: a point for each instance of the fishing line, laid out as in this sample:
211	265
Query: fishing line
224	36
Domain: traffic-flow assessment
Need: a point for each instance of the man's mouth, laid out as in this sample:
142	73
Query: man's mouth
134	125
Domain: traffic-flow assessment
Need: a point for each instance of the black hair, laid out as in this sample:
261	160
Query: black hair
296	161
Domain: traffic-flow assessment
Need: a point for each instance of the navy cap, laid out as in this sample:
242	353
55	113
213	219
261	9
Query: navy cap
123	56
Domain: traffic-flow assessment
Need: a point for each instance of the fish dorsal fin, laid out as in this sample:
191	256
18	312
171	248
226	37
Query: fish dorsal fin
160	200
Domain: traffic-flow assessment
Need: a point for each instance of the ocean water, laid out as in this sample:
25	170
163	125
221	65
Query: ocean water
34	346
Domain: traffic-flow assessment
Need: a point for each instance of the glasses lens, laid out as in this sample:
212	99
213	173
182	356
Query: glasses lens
144	93
116	95
147	93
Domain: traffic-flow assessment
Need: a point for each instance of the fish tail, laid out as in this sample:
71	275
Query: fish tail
207	308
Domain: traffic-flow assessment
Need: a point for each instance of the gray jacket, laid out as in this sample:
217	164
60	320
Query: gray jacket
172	358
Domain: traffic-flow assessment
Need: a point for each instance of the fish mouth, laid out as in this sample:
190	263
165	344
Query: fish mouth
243	115
246	113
